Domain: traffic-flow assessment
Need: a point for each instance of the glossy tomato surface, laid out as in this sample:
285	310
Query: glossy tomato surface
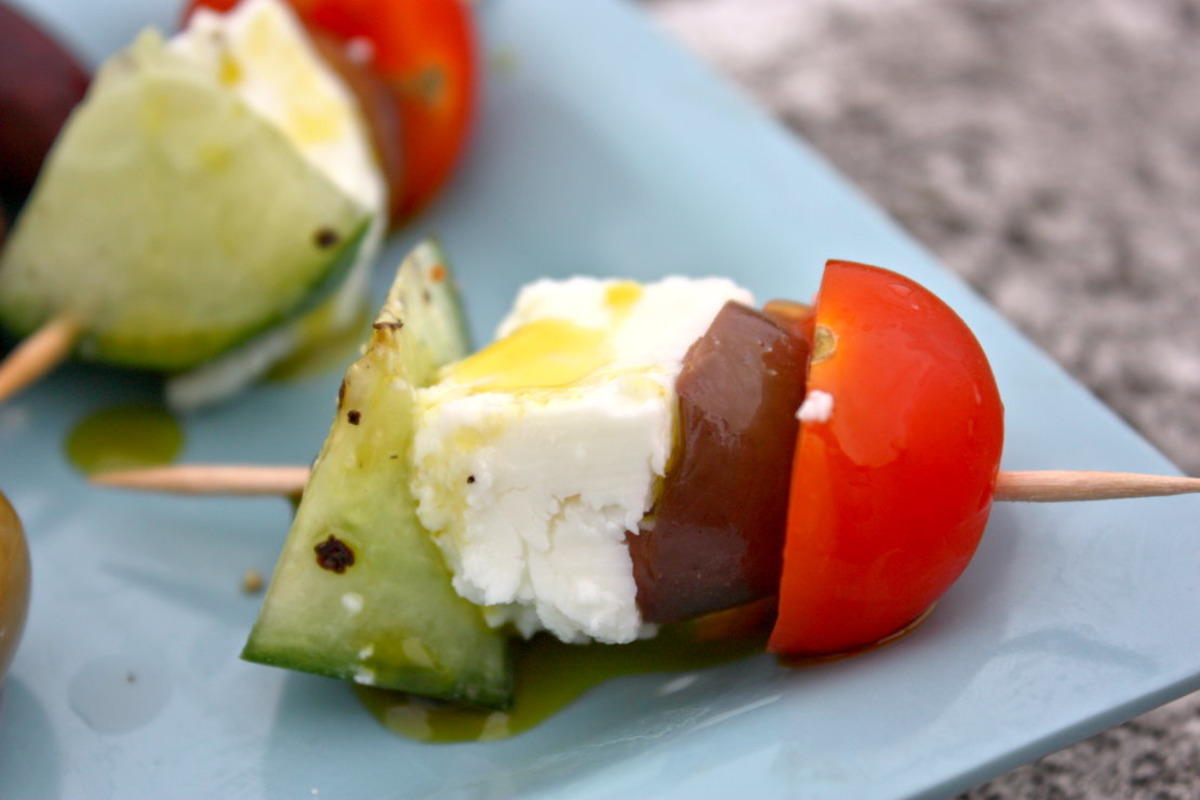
891	489
425	53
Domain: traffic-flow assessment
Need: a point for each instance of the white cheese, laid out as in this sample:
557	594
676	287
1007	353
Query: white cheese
817	407
534	457
260	51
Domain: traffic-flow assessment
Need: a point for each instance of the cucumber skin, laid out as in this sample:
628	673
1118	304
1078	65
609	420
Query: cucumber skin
159	284
392	619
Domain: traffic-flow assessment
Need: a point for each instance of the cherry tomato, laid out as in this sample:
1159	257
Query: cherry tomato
425	52
891	492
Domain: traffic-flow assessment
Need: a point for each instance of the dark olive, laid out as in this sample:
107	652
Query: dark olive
40	83
14	583
715	535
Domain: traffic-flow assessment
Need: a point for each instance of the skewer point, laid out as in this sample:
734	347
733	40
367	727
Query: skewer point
1053	486
38	354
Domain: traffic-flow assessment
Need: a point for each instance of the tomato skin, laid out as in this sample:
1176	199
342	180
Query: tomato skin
890	495
425	52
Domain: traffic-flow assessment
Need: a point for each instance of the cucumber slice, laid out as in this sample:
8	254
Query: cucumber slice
361	591
426	290
174	221
339	318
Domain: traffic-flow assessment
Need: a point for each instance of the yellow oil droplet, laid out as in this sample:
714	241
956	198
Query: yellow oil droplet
215	158
416	652
622	296
314	125
229	71
546	353
125	437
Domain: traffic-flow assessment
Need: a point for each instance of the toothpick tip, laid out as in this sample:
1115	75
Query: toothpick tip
38	354
1049	486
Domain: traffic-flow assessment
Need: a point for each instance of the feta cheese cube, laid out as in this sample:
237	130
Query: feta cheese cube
534	457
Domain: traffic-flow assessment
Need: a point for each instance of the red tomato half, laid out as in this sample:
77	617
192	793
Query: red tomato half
891	493
425	52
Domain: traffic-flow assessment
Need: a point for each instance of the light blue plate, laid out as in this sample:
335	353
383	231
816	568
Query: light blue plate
602	149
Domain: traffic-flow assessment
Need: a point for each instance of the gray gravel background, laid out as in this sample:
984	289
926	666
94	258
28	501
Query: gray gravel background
1048	151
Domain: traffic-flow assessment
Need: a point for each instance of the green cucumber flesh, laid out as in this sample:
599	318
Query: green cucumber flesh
338	318
361	592
173	221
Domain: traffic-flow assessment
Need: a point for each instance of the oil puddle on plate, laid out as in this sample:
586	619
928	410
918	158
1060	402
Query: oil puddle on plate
124	437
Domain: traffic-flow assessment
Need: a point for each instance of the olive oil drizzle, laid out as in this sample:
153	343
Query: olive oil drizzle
124	437
550	675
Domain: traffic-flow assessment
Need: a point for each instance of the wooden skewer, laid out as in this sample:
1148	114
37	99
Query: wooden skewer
1040	486
1055	486
40	352
249	480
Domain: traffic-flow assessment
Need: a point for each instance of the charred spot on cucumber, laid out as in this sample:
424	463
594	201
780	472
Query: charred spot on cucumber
174	221
361	591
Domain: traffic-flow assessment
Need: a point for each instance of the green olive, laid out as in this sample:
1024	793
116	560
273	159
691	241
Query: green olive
14	582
